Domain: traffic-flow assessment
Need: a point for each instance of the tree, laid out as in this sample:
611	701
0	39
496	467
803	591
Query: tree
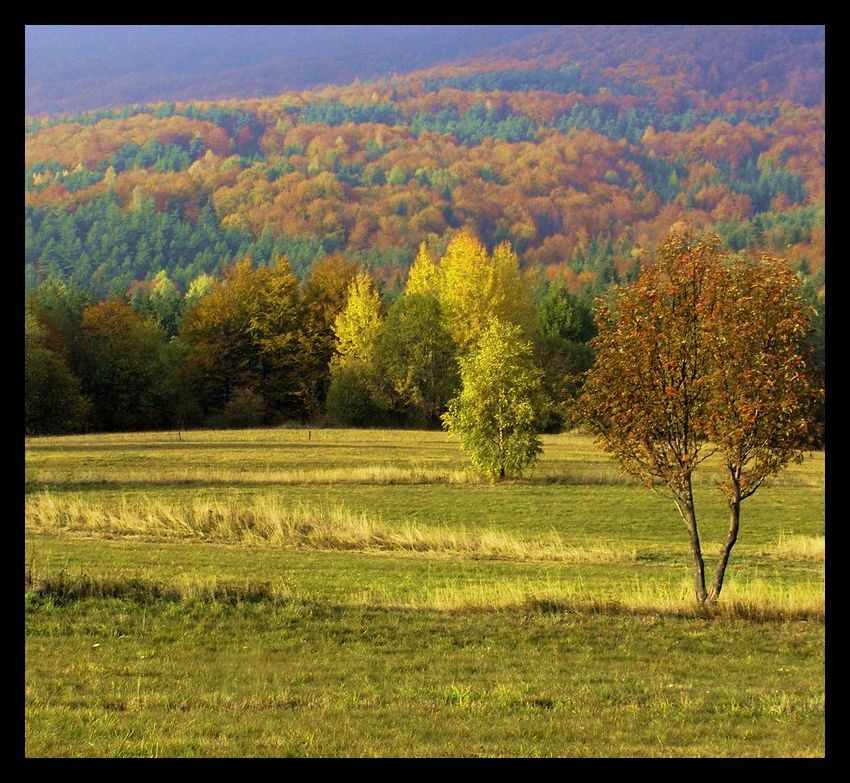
764	390
561	314
125	368
360	323
475	288
246	334
350	401
702	354
200	287
275	328
53	401
565	325
500	409
60	311
424	274
416	357
325	296
354	376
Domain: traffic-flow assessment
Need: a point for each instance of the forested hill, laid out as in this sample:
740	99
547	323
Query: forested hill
579	146
747	61
106	66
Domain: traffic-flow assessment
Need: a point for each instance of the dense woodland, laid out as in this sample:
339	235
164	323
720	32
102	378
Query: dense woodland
220	262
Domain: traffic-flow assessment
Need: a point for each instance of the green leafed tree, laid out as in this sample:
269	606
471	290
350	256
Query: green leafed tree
53	400
561	350
703	354
125	369
159	301
416	358
501	407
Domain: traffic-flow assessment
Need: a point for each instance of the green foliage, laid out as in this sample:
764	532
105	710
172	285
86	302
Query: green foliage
126	369
244	409
416	358
160	302
104	249
562	314
350	402
53	400
563	363
501	407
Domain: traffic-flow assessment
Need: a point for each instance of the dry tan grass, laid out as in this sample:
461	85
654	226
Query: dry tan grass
800	547
754	600
266	522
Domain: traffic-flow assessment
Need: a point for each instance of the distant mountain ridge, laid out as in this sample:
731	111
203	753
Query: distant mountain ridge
754	61
72	68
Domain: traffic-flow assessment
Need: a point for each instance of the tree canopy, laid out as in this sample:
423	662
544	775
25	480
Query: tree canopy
499	411
702	354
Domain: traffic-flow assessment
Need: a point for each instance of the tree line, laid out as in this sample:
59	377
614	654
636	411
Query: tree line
258	346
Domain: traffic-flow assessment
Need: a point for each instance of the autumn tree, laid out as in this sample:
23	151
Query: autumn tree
475	288
325	296
351	396
424	275
702	354
246	334
358	325
764	389
500	409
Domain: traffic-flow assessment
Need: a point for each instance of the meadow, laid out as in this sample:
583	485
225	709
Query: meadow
295	592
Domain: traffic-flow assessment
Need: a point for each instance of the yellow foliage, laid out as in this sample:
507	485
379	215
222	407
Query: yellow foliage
424	275
476	288
358	326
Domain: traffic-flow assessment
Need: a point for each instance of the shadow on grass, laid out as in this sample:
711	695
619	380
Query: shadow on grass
62	588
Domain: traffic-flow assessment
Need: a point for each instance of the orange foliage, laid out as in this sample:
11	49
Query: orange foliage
89	144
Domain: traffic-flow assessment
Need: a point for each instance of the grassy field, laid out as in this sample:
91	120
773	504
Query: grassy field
357	593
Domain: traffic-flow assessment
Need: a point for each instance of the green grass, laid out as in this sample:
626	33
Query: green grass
350	593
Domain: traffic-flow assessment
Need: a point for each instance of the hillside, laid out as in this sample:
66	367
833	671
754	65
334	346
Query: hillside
778	62
87	67
579	145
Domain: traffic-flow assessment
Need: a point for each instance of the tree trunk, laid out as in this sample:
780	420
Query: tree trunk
726	549
687	511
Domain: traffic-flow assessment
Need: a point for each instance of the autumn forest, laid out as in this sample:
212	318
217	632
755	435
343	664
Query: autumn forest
328	254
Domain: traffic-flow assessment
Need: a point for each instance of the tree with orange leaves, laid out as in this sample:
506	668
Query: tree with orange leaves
702	355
